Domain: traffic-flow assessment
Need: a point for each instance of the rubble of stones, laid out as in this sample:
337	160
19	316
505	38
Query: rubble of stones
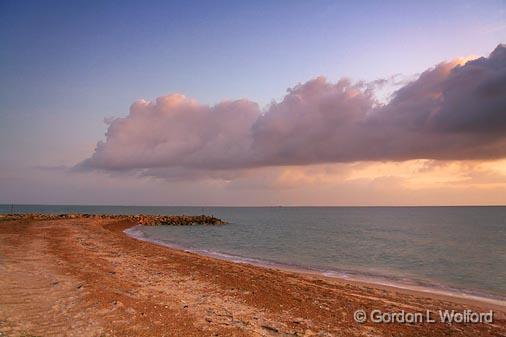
142	219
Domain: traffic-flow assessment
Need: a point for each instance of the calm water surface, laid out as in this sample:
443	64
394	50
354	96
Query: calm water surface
457	248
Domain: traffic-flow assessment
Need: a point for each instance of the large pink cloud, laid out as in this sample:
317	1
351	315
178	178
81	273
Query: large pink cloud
455	110
175	131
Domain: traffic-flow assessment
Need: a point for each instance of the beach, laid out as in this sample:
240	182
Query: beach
86	277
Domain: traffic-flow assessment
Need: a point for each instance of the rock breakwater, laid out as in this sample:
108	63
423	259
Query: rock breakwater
142	219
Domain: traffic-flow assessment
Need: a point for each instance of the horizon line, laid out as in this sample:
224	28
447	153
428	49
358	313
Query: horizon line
253	206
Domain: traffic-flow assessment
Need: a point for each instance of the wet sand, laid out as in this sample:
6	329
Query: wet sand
85	277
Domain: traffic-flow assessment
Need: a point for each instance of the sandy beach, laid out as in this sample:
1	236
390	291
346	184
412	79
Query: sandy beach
86	277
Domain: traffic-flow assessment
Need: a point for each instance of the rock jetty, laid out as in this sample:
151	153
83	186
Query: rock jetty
142	219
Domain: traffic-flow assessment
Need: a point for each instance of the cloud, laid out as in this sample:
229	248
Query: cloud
175	132
453	111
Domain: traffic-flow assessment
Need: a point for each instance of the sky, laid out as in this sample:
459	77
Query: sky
253	103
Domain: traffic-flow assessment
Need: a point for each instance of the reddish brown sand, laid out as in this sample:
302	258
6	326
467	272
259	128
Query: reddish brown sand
85	277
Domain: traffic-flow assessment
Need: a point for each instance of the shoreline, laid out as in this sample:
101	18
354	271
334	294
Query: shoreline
86	277
459	295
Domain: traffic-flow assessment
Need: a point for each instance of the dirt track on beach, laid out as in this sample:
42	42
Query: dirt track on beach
85	277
